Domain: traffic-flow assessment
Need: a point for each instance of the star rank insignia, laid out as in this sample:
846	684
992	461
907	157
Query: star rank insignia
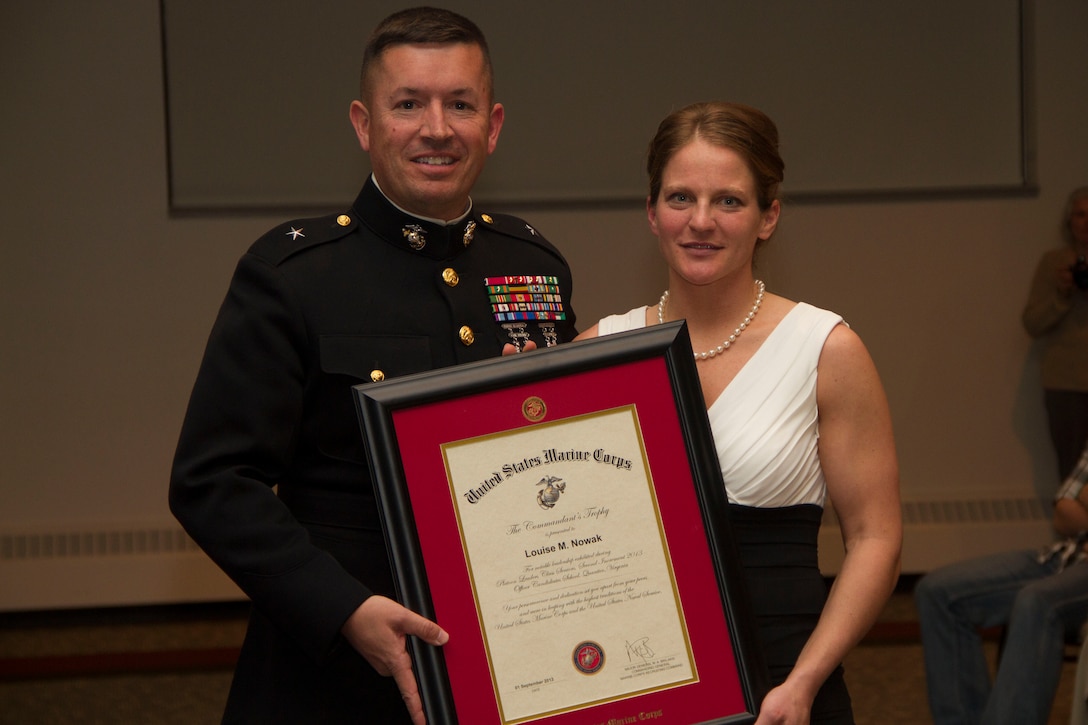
295	233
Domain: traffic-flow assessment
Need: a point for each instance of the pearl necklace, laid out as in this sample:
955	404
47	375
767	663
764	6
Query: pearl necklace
736	333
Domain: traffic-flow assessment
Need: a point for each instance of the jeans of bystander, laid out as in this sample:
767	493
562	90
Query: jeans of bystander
1038	602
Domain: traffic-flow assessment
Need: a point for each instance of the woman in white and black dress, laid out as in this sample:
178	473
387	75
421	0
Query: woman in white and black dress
795	403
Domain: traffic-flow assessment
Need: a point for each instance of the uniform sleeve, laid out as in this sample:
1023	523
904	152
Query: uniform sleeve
237	443
1046	306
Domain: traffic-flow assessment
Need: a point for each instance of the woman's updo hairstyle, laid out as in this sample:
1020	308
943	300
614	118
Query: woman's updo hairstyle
746	130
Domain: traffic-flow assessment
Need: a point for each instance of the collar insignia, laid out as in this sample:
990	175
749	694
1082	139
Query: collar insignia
414	234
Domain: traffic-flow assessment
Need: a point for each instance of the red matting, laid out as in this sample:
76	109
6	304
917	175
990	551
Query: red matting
717	693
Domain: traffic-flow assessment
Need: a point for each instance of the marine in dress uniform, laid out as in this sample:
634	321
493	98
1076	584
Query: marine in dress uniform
270	475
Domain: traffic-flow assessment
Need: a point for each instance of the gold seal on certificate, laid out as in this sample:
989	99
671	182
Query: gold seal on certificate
588	658
534	409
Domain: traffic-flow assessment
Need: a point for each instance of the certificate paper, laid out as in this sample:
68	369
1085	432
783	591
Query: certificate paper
561	514
560	527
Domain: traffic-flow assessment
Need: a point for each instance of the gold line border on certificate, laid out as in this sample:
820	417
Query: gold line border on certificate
535	434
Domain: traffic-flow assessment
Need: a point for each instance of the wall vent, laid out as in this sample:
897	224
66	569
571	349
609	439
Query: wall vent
979	511
938	532
105	564
93	565
100	542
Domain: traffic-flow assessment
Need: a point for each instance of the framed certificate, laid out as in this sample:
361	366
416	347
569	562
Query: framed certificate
561	514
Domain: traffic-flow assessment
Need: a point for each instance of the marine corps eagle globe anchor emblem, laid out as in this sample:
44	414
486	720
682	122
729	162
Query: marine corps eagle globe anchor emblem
548	495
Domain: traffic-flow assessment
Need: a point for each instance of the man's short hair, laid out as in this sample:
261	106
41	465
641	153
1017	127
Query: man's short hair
422	25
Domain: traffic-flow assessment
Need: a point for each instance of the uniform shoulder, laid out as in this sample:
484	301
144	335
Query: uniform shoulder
298	235
517	228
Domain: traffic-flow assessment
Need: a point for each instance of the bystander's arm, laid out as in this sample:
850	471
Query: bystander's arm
1070	516
1071	502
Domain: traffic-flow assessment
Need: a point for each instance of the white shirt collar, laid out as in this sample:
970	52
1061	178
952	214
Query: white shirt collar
440	222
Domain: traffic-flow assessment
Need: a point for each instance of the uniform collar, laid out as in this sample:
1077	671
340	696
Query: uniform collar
416	235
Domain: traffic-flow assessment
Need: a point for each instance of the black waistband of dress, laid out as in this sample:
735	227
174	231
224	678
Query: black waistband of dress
769	537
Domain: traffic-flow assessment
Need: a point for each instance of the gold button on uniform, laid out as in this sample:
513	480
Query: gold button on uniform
450	277
487	219
467	335
343	220
377	376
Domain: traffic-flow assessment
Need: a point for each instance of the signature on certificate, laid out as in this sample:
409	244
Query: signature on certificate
639	649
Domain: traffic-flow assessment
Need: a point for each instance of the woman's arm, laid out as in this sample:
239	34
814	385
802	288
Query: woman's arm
586	334
857	454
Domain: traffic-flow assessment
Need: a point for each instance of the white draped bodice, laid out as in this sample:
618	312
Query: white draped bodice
766	423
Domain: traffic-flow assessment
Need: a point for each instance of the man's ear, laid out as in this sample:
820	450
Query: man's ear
360	121
495	119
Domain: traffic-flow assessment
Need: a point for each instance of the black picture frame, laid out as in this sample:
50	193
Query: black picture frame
651	374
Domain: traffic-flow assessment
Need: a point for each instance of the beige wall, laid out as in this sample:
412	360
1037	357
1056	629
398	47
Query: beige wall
107	300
